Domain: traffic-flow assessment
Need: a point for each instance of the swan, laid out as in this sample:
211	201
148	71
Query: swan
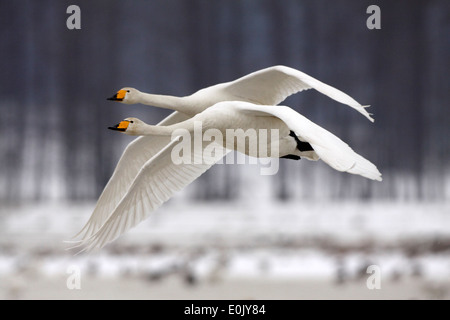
268	86
159	178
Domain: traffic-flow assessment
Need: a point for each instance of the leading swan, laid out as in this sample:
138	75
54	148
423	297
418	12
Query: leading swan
160	177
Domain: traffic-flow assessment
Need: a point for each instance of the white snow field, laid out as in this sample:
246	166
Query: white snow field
244	250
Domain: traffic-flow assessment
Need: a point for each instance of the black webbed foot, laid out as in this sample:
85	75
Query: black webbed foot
291	156
302	146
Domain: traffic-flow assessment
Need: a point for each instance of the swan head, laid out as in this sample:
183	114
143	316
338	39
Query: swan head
130	126
126	95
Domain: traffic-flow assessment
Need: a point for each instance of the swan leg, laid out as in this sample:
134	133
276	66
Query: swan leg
302	146
291	156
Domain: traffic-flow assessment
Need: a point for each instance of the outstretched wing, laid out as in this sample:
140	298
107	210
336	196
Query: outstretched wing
332	150
158	180
136	154
272	85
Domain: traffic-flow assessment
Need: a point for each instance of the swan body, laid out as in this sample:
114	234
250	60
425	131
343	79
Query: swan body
160	178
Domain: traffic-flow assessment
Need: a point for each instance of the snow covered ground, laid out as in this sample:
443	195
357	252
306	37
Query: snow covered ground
212	250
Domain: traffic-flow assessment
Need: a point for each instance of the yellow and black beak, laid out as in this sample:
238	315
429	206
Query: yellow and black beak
119	96
122	126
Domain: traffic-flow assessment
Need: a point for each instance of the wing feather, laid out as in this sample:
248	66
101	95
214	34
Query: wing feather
133	158
331	149
273	85
157	181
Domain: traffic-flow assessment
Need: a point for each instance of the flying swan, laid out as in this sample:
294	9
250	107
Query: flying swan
268	86
160	178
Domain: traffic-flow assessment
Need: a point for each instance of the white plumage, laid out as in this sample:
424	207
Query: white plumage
268	86
159	178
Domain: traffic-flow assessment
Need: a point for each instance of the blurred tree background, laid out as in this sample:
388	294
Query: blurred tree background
54	83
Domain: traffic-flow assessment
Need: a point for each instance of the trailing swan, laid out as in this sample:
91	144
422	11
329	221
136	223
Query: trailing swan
268	86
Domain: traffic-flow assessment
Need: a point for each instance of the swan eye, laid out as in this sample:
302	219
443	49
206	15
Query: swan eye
128	90
131	121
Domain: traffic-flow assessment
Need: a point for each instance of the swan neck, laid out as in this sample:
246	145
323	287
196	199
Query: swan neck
149	130
163	101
